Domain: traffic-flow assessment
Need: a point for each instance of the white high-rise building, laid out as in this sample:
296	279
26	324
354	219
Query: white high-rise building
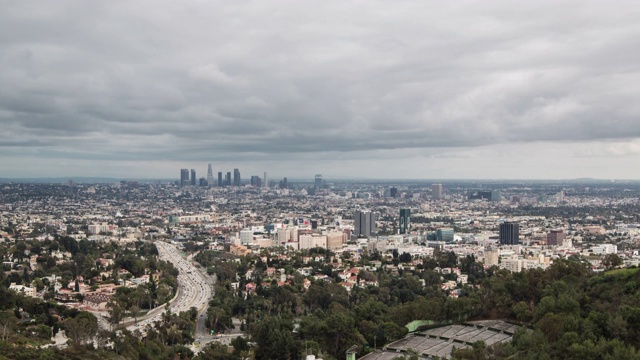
246	236
283	235
310	241
513	265
335	240
491	257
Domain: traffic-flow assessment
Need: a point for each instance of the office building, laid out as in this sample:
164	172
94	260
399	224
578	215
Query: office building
513	265
444	234
193	177
492	257
479	195
236	177
220	178
436	192
492	195
335	240
184	177
246	236
256	181
364	223
265	181
283	235
555	237
509	234
318	181
310	241
405	221
210	180
393	192
189	219
227	181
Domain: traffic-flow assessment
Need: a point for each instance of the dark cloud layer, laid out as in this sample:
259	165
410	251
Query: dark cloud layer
208	80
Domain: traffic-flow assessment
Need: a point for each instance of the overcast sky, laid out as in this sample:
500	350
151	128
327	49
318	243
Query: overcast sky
365	89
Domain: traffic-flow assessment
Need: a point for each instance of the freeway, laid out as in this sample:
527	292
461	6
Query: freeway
194	289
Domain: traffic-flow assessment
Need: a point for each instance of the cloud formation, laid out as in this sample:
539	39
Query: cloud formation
270	81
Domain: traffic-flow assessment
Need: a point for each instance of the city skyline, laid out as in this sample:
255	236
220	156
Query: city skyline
84	178
404	90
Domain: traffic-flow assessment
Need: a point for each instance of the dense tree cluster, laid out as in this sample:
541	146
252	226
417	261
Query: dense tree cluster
326	317
573	313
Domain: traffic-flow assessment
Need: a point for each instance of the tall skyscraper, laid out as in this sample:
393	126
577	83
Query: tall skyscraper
509	233
318	181
184	177
220	178
405	221
193	177
266	181
227	181
393	192
236	177
364	223
210	175
436	191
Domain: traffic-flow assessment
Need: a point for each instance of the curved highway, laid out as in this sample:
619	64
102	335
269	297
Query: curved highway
194	289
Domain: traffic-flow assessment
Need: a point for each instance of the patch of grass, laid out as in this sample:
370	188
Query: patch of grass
622	272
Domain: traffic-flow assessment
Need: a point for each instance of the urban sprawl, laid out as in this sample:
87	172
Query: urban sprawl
221	267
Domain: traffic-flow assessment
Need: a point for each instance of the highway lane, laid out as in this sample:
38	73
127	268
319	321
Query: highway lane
194	289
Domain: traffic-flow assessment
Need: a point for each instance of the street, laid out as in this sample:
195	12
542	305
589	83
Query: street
194	290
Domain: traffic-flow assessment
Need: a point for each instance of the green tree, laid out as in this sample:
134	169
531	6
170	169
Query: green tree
405	257
274	338
81	329
135	312
340	334
216	351
116	312
611	261
8	323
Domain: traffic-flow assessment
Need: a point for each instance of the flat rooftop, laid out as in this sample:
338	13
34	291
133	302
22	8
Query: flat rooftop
441	340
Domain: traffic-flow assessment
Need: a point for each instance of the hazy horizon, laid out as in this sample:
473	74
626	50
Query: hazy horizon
88	179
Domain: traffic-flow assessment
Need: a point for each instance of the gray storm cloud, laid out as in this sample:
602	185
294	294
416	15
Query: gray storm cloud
200	80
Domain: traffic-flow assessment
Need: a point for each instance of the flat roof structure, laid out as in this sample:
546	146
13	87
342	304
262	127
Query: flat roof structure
441	340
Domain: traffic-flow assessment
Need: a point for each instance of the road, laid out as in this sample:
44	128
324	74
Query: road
194	290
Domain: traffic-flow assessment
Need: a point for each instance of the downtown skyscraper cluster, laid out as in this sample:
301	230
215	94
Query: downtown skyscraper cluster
222	180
